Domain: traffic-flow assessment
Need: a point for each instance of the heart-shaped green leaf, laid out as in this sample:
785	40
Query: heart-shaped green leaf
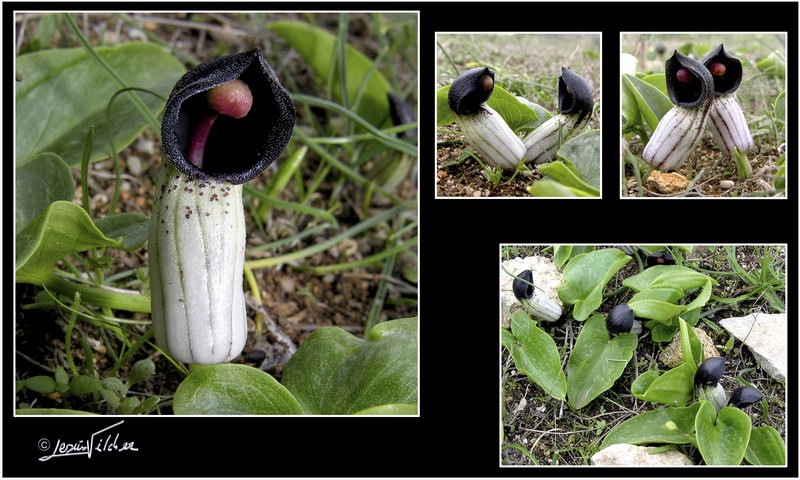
63	228
585	277
597	361
132	227
560	172
664	425
548	187
658	80
656	310
233	389
722	438
537	356
651	102
363	78
766	447
334	372
584	152
515	113
673	388
630	108
61	92
666	276
40	182
663	293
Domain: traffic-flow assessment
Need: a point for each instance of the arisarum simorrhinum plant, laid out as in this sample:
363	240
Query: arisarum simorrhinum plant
225	121
690	87
726	119
537	305
575	104
483	127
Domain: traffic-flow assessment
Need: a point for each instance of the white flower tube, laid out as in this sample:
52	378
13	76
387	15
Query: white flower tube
196	256
728	125
491	136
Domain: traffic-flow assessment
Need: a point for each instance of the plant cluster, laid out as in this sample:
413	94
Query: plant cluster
667	302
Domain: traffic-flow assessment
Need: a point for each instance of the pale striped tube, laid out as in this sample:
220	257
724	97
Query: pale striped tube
728	125
196	249
676	136
491	136
543	143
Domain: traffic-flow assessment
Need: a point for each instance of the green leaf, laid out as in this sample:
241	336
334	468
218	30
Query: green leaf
140	371
584	152
722	438
673	388
60	376
63	228
651	102
779	110
515	113
630	108
50	411
656	310
664	425
390	409
772	63
334	372
39	183
597	361
585	278
666	276
537	356
40	384
113	383
642	383
318	49
765	447
233	389
691	348
508	340
132	227
564	253
64	91
148	405
83	385
561	173
110	396
664	293
658	80
128	405
548	187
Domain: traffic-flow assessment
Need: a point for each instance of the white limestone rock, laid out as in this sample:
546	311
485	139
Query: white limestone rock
622	454
765	335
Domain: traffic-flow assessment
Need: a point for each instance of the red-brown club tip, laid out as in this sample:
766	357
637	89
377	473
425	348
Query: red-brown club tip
487	82
233	98
683	75
717	69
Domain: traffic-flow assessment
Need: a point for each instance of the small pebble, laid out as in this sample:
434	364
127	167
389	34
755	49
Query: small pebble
145	146
329	278
135	165
726	184
476	193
